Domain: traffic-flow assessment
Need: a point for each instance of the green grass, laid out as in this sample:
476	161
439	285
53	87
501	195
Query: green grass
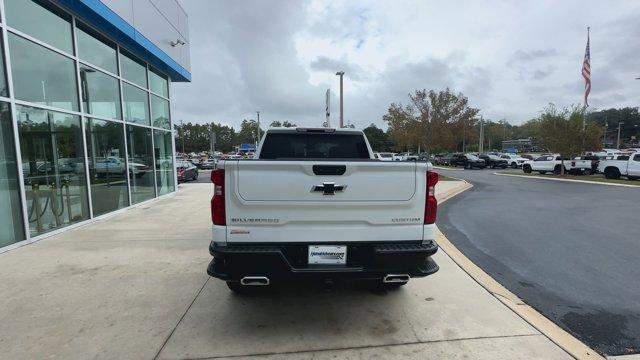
595	177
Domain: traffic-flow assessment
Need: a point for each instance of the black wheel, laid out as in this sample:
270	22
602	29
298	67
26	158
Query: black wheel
557	169
587	172
514	165
542	172
612	173
195	176
526	169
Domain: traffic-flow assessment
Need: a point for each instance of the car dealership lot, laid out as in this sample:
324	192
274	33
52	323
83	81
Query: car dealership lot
568	249
134	286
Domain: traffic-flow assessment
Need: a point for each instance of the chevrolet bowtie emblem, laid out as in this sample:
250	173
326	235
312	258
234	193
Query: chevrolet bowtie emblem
328	188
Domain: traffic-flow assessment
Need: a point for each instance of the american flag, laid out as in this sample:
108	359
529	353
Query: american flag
586	71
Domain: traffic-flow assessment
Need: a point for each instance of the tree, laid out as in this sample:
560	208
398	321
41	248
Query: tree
378	139
431	121
630	117
248	132
560	131
197	137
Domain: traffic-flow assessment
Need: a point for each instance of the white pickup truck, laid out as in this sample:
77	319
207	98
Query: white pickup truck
314	203
622	165
554	163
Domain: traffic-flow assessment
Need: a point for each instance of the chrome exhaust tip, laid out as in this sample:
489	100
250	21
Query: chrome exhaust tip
255	281
396	278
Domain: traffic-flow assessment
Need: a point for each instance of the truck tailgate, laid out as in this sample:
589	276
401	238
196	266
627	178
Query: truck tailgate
284	201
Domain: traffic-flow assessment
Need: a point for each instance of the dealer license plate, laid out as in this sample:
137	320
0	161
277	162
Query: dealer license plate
328	254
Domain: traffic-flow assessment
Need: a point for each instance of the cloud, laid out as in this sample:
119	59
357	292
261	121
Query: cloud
522	56
323	63
280	57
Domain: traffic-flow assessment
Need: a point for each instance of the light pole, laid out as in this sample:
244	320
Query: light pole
619	126
182	137
341	74
258	112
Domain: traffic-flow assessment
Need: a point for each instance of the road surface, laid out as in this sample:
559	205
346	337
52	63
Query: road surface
570	250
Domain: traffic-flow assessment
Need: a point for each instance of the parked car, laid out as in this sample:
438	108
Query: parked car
582	165
545	163
208	164
281	216
383	156
493	161
186	171
515	161
116	165
468	161
623	165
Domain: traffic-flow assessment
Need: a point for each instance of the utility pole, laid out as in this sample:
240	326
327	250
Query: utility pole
327	107
604	139
182	135
258	112
481	142
341	74
212	139
619	126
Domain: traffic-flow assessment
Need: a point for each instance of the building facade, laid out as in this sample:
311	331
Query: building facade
85	110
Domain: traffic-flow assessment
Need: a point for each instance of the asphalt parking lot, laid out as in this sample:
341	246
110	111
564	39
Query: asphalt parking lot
569	250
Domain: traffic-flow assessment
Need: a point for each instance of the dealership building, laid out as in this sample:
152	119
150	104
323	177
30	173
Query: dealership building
85	110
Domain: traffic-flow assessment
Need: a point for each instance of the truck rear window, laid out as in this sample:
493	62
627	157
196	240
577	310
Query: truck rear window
314	146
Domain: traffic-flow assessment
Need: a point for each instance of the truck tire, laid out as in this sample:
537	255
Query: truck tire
526	169
514	165
587	172
557	170
542	172
612	173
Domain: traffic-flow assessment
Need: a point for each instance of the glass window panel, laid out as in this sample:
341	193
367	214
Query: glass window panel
94	49
160	112
107	165
136	104
100	93
164	161
133	70
4	91
42	21
141	176
42	76
53	167
11	226
158	83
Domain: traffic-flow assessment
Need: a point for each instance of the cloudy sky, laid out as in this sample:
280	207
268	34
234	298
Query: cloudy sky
510	58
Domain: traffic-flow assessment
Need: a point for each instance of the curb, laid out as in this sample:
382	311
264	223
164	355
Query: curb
567	180
546	327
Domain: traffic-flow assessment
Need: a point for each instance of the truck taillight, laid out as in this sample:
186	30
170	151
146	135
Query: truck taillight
218	215
431	204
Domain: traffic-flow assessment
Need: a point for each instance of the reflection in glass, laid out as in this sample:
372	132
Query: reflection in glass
158	83
53	168
11	226
3	75
164	161
136	104
41	75
133	70
141	174
160	112
42	21
100	93
92	48
107	167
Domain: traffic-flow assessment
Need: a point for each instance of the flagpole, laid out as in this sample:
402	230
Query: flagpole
584	109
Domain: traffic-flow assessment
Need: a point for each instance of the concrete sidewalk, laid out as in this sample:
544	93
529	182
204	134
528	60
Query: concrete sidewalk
135	286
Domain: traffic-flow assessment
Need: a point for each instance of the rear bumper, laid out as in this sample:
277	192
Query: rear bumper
289	260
